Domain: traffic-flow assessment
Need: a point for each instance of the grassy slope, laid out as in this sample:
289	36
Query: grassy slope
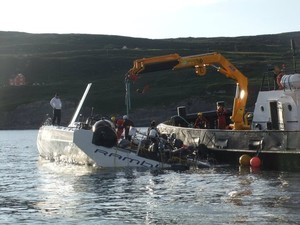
66	63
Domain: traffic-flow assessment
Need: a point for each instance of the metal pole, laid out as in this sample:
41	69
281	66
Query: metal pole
127	96
294	54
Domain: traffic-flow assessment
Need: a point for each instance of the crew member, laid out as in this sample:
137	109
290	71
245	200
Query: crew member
201	121
127	124
221	115
119	127
153	135
56	105
278	74
113	120
248	117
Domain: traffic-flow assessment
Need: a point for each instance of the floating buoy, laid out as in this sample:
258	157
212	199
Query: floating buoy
245	160
255	161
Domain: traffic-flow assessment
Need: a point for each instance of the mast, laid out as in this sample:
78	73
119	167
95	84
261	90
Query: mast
127	96
294	54
80	104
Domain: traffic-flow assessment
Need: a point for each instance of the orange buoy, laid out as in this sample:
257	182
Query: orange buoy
245	160
255	161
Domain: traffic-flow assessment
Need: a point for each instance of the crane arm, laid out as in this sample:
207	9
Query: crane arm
199	63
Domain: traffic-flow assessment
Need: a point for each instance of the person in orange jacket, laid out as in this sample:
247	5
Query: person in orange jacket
221	115
119	127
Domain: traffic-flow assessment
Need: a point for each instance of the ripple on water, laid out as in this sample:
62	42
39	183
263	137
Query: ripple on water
36	191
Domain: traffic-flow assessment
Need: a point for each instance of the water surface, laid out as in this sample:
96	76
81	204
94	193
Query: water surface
36	191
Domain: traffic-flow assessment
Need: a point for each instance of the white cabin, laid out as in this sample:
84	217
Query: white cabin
279	109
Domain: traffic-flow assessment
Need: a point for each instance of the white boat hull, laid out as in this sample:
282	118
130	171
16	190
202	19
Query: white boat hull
74	145
56	144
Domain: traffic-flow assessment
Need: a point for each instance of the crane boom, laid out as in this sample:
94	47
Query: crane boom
199	63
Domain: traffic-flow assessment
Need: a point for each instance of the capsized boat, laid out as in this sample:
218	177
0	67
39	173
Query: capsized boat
271	132
96	144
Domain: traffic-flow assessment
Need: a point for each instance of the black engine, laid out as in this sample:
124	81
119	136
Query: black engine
104	134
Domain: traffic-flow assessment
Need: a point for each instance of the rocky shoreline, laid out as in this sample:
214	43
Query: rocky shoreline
33	115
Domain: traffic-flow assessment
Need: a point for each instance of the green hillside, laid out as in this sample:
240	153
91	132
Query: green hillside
66	63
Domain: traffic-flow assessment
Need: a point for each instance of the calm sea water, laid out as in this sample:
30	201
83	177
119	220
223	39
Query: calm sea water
35	191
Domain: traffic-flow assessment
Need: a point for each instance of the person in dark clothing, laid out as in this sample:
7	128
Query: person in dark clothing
126	125
152	133
153	136
201	121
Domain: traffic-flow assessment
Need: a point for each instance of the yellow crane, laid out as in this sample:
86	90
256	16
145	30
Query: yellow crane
199	63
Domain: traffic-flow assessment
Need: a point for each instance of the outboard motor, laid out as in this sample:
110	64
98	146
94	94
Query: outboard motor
104	134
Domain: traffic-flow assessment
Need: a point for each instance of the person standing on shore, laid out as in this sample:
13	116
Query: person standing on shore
56	105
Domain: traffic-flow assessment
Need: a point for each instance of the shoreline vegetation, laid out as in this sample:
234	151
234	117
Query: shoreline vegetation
65	63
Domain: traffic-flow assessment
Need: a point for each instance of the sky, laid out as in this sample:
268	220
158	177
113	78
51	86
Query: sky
154	19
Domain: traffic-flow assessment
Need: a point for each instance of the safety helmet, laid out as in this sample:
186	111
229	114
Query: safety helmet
220	103
250	116
153	123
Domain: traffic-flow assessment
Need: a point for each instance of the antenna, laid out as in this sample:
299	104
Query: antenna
294	54
127	96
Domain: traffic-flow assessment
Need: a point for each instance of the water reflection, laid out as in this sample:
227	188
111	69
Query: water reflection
41	192
266	192
230	195
75	191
